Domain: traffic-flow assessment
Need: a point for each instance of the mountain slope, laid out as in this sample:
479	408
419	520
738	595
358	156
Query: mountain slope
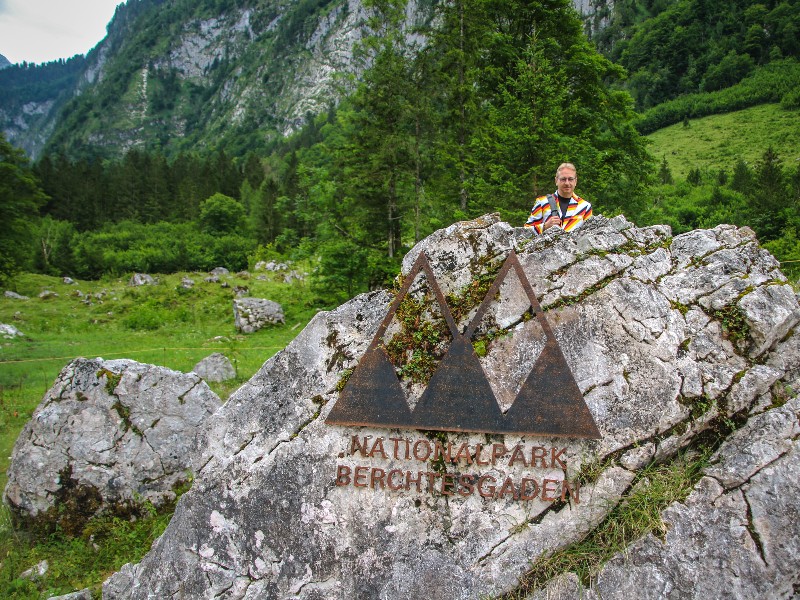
185	75
174	75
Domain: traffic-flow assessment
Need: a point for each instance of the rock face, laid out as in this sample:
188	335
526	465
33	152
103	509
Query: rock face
678	344
110	434
215	367
251	314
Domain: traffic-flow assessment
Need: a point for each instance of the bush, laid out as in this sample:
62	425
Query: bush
158	248
144	319
791	99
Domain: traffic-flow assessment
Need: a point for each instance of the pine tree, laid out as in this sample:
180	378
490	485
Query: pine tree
20	199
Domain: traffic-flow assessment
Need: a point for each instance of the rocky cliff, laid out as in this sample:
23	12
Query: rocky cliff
176	75
684	351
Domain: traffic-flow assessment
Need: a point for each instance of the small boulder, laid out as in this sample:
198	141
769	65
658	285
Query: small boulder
215	368
251	314
187	283
69	281
84	594
37	571
141	279
10	332
47	295
220	271
15	295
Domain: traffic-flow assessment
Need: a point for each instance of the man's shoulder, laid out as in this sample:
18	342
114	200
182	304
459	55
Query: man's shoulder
580	200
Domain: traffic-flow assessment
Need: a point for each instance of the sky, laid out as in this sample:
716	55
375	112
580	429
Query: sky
39	31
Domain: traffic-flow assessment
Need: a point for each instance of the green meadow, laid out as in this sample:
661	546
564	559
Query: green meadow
720	141
163	324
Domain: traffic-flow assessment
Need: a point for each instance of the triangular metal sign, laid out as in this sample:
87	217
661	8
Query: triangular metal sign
458	396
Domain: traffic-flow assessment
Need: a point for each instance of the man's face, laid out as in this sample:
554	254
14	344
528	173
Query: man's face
566	180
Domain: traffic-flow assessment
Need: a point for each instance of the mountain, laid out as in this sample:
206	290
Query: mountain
187	75
4	62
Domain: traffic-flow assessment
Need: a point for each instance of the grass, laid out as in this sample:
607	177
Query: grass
719	141
163	324
639	513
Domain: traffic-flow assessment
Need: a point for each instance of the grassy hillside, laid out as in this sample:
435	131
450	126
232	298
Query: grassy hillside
719	141
163	324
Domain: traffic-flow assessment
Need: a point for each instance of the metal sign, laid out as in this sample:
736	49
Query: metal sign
458	396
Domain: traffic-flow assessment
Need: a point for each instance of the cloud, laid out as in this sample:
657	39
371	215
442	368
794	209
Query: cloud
43	30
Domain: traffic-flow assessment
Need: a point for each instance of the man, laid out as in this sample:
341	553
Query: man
563	209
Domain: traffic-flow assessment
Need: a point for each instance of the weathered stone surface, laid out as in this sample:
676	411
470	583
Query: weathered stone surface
138	279
736	536
251	314
9	331
215	367
15	295
271	266
85	594
664	342
119	430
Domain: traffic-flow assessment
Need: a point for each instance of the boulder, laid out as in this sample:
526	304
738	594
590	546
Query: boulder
219	271
108	435
15	295
138	279
84	594
10	332
251	314
187	283
672	356
270	266
215	368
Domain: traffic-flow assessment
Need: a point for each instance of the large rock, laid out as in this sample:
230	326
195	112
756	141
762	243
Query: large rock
108	435
251	314
670	340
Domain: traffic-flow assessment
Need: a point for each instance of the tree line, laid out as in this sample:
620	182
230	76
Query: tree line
475	121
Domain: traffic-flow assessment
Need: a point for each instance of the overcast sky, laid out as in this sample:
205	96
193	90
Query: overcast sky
39	31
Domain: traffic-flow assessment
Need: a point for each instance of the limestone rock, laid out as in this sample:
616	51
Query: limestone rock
187	283
15	295
251	314
10	332
215	367
666	338
113	432
219	271
84	594
138	279
37	571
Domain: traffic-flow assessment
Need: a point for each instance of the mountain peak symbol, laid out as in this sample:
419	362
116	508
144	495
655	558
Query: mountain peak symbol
458	396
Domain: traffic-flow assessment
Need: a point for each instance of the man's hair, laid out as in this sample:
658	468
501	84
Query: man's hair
563	166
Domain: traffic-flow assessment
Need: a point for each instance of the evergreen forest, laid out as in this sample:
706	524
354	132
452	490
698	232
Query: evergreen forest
474	120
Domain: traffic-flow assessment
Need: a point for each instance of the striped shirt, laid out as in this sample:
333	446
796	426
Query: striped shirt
577	212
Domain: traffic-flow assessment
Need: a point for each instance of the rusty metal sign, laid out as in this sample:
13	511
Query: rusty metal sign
458	396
